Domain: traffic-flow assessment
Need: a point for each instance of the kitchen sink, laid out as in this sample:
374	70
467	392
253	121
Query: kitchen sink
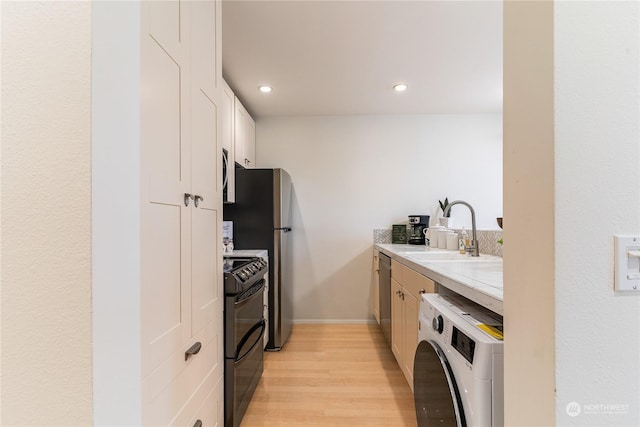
445	256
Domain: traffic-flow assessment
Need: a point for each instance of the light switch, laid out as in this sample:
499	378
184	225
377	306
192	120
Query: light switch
627	263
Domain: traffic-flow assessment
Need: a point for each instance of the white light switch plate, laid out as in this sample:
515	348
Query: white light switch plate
627	263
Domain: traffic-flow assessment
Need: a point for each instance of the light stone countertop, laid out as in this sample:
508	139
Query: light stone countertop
241	253
476	278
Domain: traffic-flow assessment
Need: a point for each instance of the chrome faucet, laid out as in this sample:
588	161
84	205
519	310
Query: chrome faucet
473	249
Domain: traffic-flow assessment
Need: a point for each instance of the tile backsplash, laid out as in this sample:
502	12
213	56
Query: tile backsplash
382	235
488	239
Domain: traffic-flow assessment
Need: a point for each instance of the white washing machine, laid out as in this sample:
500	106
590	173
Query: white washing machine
459	364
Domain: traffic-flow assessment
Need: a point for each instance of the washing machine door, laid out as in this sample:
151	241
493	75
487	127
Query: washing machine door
436	394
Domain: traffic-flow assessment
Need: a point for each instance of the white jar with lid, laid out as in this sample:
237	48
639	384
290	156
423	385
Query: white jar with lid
442	238
452	240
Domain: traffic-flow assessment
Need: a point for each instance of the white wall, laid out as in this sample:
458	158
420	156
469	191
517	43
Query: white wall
46	213
116	213
352	174
597	194
571	342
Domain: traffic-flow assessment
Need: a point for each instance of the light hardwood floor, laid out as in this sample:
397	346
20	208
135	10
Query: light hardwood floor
332	375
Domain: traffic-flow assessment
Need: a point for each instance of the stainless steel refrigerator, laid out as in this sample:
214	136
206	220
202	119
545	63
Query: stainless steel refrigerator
261	218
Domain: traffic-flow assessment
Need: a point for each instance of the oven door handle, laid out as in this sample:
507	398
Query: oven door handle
255	294
260	325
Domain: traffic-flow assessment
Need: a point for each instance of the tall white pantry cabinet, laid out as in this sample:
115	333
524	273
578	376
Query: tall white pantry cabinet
158	310
181	213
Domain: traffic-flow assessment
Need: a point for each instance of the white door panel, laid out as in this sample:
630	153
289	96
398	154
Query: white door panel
204	162
226	119
203	46
165	141
207	292
239	114
250	141
167	20
165	288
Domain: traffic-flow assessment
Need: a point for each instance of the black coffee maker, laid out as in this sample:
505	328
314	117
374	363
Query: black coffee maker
417	224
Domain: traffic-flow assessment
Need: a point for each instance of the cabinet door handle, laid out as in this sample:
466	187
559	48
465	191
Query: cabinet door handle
198	423
197	199
187	196
422	291
194	349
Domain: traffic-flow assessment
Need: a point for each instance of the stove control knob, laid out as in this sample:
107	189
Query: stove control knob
438	324
242	276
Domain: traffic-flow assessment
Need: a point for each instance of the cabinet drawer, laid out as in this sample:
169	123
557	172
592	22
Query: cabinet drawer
413	282
206	405
396	270
168	387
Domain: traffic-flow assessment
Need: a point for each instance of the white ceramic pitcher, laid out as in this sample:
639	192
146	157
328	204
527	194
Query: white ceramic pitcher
431	233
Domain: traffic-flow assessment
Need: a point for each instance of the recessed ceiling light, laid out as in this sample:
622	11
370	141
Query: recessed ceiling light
265	89
401	87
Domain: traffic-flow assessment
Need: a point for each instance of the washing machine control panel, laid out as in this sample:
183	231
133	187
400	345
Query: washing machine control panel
463	344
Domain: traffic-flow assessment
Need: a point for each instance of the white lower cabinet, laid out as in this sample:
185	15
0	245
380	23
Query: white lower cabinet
171	385
211	409
183	403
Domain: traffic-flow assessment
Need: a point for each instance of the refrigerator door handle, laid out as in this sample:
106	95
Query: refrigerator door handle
285	229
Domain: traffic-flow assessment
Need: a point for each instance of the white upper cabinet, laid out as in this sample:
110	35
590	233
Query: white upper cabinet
227	117
227	135
239	117
245	136
250	141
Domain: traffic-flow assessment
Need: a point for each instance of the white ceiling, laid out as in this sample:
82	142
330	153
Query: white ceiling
343	57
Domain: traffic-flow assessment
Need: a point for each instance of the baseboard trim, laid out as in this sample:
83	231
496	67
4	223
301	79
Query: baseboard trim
334	322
